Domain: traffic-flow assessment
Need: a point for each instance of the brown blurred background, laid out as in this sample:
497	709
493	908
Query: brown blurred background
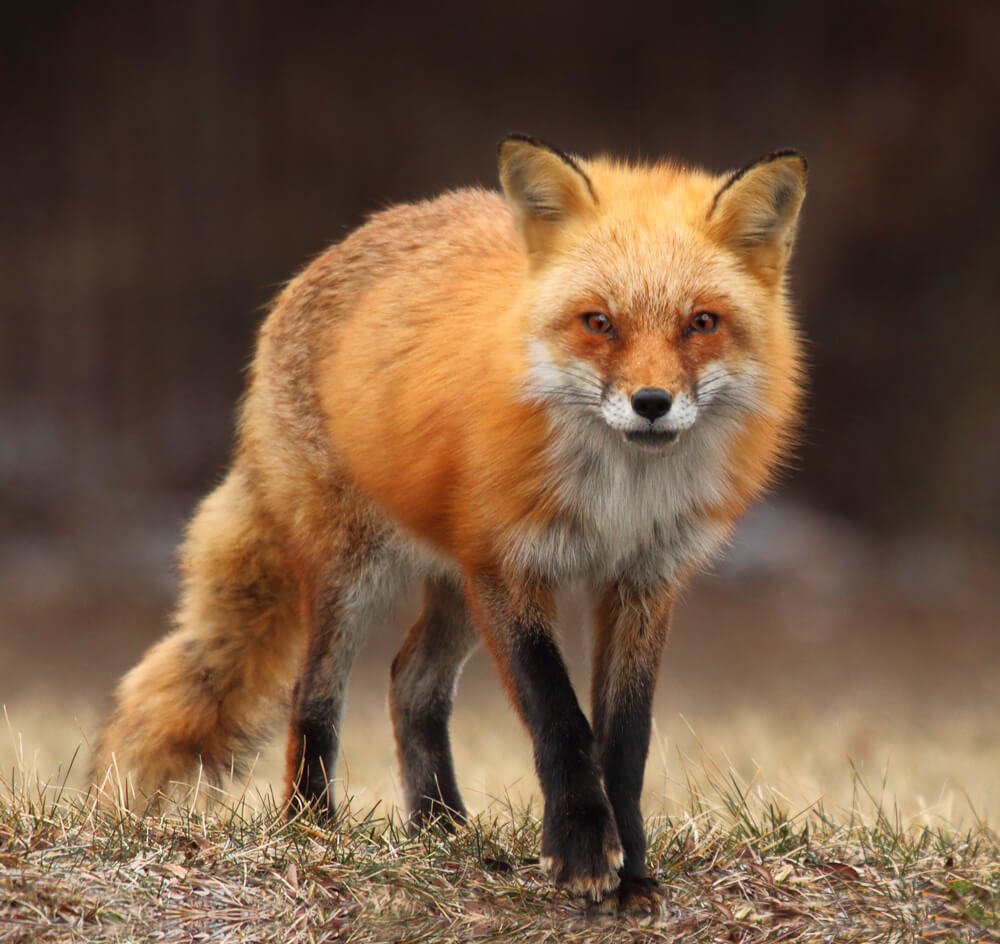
167	166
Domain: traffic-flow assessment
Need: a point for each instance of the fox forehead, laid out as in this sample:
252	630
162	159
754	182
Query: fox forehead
647	254
651	281
652	274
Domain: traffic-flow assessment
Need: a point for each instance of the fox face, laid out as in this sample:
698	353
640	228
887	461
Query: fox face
657	300
651	369
660	345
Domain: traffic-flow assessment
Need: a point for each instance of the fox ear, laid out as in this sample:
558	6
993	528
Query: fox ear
756	211
544	187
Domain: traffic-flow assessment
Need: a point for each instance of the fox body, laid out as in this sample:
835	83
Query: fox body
585	379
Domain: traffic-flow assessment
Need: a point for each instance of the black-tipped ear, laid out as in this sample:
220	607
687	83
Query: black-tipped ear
544	187
756	210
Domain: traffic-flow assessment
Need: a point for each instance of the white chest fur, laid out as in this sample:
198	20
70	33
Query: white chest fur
624	512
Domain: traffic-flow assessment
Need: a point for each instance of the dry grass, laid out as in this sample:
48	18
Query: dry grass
769	685
735	864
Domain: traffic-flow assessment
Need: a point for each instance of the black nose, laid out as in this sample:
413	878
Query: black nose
651	402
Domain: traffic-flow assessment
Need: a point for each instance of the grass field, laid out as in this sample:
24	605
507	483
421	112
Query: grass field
733	868
823	767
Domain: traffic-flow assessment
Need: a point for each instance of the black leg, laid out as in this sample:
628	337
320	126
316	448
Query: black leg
579	838
424	674
313	745
632	628
338	620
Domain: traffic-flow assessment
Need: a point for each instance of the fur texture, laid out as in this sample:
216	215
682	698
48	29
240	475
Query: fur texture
449	396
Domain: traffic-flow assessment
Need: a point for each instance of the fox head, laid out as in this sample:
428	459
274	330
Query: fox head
655	295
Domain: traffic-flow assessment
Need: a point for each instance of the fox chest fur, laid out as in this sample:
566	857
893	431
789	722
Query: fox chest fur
637	517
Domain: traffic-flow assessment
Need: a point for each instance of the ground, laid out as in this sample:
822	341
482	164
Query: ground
824	679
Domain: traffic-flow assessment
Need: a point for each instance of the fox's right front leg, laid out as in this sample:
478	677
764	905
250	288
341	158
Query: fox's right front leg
580	843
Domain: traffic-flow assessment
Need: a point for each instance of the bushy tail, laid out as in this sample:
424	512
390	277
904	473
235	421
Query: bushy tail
205	692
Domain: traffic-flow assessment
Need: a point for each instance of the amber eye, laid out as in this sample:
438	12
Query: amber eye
597	322
704	322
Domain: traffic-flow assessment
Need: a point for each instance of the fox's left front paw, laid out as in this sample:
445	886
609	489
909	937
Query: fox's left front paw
643	895
581	848
634	896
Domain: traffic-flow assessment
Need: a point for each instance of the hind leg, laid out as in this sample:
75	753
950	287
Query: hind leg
359	591
424	674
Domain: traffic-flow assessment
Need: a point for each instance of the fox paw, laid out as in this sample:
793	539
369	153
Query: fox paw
582	851
638	895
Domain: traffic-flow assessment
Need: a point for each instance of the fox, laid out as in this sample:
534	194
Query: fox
584	379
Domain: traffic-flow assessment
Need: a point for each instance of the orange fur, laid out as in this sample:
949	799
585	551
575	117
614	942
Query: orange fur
434	425
398	394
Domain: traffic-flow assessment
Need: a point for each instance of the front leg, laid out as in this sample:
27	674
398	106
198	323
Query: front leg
632	628
580	842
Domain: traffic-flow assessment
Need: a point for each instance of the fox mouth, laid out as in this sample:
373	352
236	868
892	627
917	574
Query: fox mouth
651	439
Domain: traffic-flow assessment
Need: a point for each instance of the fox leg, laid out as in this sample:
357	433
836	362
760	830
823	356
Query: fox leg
204	693
424	675
580	843
357	590
318	699
632	628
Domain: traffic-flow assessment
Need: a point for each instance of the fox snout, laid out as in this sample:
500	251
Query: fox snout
651	403
649	416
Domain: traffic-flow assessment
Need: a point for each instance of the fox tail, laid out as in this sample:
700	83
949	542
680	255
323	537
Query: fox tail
203	696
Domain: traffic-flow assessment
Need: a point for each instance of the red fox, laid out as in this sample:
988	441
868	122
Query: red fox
585	379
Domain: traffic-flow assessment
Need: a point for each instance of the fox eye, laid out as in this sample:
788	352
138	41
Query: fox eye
597	322
705	322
